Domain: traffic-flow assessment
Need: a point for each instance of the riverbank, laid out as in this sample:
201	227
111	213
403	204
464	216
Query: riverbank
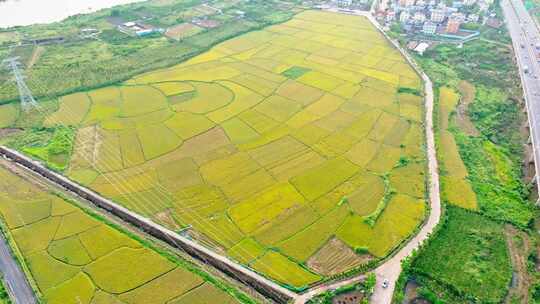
40	12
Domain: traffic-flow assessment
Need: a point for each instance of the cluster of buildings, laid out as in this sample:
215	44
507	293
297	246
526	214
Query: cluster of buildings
434	17
199	18
135	28
339	4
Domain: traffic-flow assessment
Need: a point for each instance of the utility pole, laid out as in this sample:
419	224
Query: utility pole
27	100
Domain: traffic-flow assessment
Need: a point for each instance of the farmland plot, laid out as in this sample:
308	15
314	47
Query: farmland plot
457	189
264	142
75	258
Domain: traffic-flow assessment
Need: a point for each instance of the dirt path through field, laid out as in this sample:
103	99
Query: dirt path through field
391	269
519	246
38	51
463	120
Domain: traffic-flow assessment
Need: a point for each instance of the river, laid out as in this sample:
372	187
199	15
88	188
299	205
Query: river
26	12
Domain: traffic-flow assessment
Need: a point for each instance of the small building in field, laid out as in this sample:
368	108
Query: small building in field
421	48
473	18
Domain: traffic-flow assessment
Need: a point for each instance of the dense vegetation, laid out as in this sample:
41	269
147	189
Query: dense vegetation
472	246
365	288
493	159
467	260
56	152
81	63
4	296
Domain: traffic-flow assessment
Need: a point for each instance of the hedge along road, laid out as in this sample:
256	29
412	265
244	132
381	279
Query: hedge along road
391	269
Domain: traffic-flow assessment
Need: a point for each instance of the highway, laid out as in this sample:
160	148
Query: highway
17	286
525	36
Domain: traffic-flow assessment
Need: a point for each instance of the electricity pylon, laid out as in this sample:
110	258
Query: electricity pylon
27	100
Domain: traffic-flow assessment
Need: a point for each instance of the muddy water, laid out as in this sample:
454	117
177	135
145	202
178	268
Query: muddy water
26	12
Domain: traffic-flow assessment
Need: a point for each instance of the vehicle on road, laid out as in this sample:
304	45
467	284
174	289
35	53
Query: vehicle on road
525	69
385	283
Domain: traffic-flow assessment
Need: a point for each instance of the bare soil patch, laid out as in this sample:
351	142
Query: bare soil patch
181	31
87	142
335	257
38	51
166	219
5	132
208	23
463	120
353	297
411	292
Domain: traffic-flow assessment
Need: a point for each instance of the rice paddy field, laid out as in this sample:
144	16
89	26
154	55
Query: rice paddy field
456	188
74	258
282	148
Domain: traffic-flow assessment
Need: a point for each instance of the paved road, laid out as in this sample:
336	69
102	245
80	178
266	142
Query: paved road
18	288
391	269
525	36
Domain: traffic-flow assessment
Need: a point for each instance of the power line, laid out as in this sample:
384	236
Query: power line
27	100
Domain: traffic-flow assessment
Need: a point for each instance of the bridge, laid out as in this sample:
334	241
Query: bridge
525	36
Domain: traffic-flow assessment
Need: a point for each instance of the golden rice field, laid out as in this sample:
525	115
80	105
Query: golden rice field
456	188
74	258
267	147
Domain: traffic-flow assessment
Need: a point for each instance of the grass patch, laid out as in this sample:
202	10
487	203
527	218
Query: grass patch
295	72
57	151
371	219
469	251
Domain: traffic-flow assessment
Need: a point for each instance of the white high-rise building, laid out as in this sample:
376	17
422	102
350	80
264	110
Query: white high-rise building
437	15
429	28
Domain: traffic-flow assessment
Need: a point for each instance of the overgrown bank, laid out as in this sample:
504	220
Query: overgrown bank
115	56
468	260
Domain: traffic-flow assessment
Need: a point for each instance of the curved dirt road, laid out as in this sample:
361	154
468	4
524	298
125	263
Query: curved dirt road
391	269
